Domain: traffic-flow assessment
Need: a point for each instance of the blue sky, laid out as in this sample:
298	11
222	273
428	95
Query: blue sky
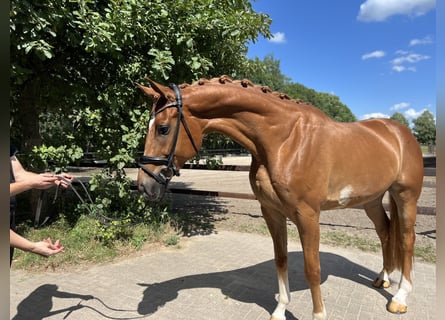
377	56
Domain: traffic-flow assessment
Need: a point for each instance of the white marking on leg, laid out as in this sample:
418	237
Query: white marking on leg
283	296
320	315
405	287
384	276
344	196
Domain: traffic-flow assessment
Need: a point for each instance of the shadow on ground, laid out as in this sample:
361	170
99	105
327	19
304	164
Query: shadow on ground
196	215
254	284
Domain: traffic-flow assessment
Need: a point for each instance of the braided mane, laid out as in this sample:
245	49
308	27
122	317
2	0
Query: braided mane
245	83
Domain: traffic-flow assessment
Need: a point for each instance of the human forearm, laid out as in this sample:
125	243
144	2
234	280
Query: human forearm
44	248
31	180
17	241
19	187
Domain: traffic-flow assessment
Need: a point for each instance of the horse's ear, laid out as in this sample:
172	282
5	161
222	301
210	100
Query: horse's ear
162	90
148	91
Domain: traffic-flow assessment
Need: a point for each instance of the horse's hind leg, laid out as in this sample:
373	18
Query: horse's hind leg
404	205
276	224
377	214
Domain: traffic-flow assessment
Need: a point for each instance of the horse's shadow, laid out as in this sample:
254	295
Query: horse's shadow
255	284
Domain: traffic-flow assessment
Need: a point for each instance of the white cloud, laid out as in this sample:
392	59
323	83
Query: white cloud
399	68
416	42
374	115
380	10
410	58
401	105
278	37
411	113
374	54
402	52
399	64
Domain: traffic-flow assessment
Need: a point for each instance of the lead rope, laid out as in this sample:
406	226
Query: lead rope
106	221
70	184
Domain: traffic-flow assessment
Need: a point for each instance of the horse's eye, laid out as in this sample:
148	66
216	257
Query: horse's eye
163	130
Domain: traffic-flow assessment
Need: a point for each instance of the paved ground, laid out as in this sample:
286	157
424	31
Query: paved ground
223	275
227	275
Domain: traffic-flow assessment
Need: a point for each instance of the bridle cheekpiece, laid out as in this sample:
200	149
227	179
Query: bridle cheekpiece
170	170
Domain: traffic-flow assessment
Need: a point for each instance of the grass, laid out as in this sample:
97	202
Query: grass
335	238
426	253
82	246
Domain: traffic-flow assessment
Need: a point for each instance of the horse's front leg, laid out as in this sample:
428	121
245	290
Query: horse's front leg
276	223
307	221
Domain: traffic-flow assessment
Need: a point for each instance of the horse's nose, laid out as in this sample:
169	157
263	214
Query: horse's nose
151	190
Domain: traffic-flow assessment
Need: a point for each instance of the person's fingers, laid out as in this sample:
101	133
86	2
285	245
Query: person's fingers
67	176
49	176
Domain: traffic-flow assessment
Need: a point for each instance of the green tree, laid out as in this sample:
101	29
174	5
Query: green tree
78	59
397	116
328	103
266	72
424	129
74	64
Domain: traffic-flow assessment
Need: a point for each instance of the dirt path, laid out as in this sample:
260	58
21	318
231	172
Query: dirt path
203	215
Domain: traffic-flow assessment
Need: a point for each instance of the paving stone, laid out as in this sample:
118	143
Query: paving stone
199	281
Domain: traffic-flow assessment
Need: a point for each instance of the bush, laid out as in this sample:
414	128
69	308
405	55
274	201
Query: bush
117	209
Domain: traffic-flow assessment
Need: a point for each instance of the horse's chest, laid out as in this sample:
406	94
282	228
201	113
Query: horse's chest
262	187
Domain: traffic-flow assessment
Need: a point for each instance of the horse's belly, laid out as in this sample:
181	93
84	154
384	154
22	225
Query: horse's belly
349	197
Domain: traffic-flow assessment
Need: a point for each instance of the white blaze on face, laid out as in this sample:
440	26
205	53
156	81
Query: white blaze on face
345	195
150	124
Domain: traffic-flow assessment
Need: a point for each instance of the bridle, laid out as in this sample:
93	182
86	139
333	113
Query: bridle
170	170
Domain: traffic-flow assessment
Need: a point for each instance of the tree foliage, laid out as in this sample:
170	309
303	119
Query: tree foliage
424	128
74	64
79	59
267	72
328	103
397	116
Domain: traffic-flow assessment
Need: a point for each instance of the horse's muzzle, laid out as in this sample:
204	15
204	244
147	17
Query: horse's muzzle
152	190
154	184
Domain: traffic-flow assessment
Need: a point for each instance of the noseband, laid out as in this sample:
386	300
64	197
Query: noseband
165	175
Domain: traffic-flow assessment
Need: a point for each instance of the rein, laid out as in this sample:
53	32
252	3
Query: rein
170	170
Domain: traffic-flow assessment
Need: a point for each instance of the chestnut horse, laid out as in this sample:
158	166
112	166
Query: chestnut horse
302	162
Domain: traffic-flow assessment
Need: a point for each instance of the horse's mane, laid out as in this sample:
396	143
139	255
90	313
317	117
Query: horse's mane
245	83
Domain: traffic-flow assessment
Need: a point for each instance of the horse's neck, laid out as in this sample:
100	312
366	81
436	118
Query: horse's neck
256	120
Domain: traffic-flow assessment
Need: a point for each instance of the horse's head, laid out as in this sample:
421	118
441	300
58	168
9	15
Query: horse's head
171	140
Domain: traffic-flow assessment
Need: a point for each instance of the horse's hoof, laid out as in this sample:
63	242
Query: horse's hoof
397	308
380	283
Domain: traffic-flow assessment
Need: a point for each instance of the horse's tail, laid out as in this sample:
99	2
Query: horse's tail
395	237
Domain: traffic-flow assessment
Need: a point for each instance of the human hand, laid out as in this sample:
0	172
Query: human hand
46	248
43	180
64	180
